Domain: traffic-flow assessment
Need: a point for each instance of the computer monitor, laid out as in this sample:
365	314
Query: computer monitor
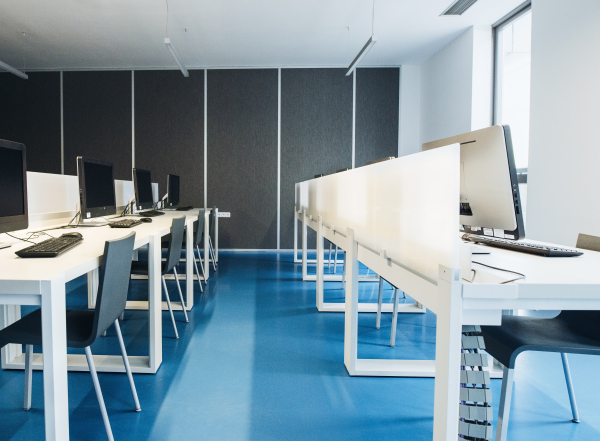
13	187
172	190
96	188
142	184
490	203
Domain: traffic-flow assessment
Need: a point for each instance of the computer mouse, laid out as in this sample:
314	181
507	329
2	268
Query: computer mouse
73	234
145	219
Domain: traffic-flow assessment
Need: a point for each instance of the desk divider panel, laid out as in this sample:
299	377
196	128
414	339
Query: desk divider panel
408	207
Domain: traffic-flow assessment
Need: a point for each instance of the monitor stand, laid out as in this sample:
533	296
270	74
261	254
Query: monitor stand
4	245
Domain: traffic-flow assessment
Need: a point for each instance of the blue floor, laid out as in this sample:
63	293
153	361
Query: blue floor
257	362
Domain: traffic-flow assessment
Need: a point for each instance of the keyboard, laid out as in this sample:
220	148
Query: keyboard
540	250
150	213
184	208
51	247
125	223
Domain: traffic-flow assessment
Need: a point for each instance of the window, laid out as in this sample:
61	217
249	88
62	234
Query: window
513	79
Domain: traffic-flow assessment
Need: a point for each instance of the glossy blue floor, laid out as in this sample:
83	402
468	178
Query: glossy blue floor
257	362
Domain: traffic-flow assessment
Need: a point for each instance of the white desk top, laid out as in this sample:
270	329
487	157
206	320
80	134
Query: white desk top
81	259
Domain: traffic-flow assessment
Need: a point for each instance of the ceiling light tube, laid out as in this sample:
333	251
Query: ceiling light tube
184	71
12	70
366	48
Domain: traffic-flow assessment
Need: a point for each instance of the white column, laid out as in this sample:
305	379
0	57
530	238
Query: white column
155	300
304	257
206	251
351	311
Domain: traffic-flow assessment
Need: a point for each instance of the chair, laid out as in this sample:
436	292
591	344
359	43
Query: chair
175	240
199	233
84	327
573	332
211	250
394	315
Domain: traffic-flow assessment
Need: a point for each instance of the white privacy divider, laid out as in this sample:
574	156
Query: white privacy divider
407	207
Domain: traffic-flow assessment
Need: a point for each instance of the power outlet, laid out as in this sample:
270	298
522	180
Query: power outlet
224	214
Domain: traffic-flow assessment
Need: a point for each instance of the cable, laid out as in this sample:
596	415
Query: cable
523	276
18	238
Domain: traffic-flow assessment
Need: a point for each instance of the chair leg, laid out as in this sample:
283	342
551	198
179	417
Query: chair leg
504	406
127	367
329	264
335	260
169	305
565	363
181	296
201	263
198	274
28	378
122	316
344	273
379	302
394	319
90	360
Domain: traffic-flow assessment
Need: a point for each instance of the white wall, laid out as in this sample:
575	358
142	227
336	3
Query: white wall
409	138
456	86
564	152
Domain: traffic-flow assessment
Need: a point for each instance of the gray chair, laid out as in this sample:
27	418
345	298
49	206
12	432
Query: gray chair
174	246
395	313
84	327
198	235
571	332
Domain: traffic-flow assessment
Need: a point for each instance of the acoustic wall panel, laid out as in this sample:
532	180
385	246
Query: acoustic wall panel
30	114
242	155
97	119
377	101
316	133
169	130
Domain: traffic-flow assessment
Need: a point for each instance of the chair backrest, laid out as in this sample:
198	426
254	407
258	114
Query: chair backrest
113	285
585	322
175	244
212	220
200	224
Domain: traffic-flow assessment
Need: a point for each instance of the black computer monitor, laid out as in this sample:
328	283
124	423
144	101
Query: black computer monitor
96	188
142	184
172	190
13	187
490	202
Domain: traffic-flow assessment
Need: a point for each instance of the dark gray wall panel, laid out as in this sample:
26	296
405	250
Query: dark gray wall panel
316	132
169	130
97	119
377	98
242	155
30	114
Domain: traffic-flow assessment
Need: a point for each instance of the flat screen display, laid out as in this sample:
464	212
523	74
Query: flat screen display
173	190
144	188
99	185
11	182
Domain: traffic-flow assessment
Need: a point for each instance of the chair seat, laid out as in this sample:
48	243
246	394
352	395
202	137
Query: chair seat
28	330
519	334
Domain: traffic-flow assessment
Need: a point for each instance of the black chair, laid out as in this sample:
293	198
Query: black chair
198	235
173	245
211	227
571	332
84	327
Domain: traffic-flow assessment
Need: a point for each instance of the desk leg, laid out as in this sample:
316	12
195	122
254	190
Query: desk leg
54	347
320	264
206	251
155	301
447	355
189	264
92	286
351	313
217	235
304	234
296	260
8	315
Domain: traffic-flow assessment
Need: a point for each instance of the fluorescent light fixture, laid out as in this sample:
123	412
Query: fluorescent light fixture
12	70
361	54
184	71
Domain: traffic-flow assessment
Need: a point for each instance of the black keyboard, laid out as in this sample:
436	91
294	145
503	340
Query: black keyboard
151	213
540	250
125	223
184	208
51	247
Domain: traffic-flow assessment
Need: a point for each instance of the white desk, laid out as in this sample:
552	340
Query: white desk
42	282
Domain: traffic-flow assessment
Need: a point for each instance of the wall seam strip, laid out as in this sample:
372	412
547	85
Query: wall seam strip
62	128
132	119
205	138
354	118
278	158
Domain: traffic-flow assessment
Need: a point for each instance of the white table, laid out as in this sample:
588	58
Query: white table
42	282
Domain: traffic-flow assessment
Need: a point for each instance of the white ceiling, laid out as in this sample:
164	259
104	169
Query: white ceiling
120	34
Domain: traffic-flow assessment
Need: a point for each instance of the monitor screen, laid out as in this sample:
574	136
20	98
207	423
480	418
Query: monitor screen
96	187
143	188
11	182
172	190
